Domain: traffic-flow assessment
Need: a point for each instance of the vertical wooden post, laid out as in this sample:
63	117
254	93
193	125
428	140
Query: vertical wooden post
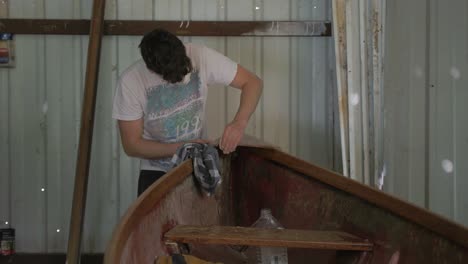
378	10
86	133
339	33
354	104
364	38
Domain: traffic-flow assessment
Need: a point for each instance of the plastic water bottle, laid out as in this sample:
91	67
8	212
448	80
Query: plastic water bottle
270	255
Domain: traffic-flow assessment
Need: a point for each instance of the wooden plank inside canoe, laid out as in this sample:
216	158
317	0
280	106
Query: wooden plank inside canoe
291	238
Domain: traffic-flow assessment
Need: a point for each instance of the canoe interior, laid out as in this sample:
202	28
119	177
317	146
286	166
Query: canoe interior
252	181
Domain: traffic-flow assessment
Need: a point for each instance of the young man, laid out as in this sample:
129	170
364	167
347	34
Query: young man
160	101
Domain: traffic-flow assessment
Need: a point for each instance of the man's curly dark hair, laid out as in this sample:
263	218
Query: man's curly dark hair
165	55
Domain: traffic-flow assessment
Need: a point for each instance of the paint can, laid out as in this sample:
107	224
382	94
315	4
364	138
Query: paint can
6	50
7	241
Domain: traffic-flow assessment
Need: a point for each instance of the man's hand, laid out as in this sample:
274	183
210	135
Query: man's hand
232	135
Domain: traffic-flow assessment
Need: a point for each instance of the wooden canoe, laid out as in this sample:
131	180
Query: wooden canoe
328	218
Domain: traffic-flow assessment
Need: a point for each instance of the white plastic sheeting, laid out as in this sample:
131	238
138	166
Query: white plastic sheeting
40	107
425	109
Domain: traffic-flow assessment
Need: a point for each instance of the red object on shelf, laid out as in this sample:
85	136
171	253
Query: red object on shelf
7	241
4	55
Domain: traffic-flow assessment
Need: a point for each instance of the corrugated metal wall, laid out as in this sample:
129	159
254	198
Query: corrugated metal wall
40	107
426	94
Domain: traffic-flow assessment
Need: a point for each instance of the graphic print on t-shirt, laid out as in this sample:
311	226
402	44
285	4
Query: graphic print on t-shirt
174	113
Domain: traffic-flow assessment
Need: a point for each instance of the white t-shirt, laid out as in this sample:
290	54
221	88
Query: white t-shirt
171	112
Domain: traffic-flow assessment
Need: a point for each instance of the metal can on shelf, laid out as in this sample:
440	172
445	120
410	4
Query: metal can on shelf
7	241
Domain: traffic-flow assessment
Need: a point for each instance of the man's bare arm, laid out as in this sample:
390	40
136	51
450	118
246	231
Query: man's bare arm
251	89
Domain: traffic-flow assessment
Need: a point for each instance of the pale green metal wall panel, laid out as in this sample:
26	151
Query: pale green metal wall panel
313	86
5	186
61	107
64	69
275	54
5	158
27	143
448	120
42	98
426	131
27	134
405	100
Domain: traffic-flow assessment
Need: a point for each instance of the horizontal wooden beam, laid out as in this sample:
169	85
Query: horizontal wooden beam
181	28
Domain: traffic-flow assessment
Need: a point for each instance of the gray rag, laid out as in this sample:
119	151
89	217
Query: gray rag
205	164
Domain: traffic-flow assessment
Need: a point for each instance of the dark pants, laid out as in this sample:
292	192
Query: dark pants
148	177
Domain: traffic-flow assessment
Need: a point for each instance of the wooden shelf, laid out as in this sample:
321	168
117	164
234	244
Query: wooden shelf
233	235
